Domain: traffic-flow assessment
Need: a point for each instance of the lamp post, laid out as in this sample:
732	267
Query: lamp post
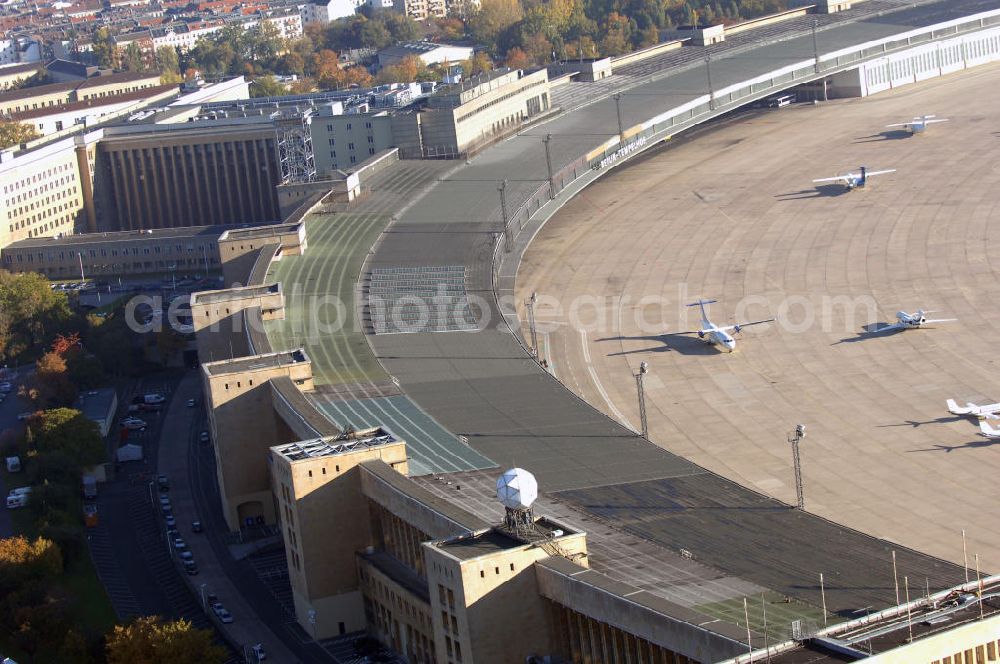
621	127
503	213
530	303
548	164
643	370
708	73
204	597
795	438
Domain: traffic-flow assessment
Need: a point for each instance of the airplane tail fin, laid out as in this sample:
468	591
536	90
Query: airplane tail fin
701	303
864	175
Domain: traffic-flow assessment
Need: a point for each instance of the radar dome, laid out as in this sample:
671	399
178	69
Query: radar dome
517	489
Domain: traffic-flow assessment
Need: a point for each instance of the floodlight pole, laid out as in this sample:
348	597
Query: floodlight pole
815	23
548	164
530	303
708	73
795	438
503	212
643	370
621	127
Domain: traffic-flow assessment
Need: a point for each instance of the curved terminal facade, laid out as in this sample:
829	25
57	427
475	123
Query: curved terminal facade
370	392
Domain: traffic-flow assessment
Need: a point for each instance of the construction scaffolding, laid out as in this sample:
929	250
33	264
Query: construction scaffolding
295	150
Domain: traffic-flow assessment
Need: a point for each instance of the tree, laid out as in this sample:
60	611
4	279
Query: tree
67	431
326	69
31	313
15	133
147	640
267	86
132	58
22	559
51	381
493	17
168	64
517	59
480	63
104	47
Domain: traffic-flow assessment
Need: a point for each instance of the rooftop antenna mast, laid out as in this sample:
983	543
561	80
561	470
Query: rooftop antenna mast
795	438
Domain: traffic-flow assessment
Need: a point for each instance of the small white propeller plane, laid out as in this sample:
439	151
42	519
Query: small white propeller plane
856	180
986	411
905	321
717	336
919	124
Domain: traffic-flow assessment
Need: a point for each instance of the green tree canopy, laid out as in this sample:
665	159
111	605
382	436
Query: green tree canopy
31	314
147	640
267	86
67	431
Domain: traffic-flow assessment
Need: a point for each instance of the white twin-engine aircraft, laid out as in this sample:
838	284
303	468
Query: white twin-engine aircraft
856	180
719	336
905	321
919	124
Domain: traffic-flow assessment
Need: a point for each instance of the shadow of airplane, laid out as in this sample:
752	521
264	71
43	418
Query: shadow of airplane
680	342
891	135
951	448
871	331
917	423
819	191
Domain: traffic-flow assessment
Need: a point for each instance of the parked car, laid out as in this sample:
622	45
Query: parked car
258	652
203	437
24	416
196	527
190	567
166	509
186	555
192	403
162	482
134	423
171	521
180	544
6	387
221	611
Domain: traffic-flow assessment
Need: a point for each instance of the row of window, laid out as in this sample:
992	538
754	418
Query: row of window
39	177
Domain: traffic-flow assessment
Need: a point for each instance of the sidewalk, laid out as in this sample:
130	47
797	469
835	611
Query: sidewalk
179	433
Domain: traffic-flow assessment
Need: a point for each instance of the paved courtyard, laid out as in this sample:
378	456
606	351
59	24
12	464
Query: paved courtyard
731	213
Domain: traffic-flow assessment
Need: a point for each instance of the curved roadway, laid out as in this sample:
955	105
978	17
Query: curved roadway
732	215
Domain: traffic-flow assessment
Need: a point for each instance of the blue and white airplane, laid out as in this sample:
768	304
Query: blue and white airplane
717	336
918	125
856	180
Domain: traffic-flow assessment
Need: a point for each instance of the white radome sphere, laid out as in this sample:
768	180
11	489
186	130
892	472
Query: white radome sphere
517	489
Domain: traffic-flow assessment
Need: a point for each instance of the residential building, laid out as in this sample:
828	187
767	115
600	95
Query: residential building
325	11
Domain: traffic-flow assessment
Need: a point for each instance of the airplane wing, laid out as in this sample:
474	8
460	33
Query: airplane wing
889	170
987	430
939	320
839	178
902	124
938	120
739	326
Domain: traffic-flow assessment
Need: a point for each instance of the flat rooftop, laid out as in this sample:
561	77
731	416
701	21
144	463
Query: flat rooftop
272	230
200	232
500	538
327	447
96	404
228	294
255	362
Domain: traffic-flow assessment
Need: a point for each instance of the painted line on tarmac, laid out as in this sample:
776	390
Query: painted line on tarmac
597	383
